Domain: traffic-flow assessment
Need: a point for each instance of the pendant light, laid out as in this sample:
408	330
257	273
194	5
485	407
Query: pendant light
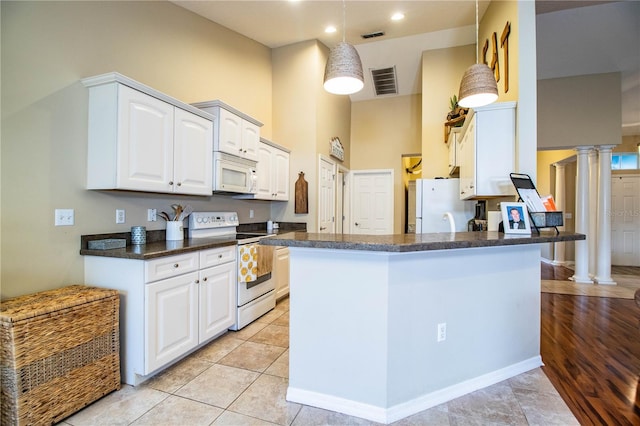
478	86
343	72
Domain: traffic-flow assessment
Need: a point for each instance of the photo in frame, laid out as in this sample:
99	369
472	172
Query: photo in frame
515	218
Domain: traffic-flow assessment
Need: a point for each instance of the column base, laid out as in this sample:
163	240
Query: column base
604	281
581	280
558	263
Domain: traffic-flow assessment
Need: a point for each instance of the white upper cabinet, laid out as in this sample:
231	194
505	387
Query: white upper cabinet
487	151
272	173
143	140
234	133
192	154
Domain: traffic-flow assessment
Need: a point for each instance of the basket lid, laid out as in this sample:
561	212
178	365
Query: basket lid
42	303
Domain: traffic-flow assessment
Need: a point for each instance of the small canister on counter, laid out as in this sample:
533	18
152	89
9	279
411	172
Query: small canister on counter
138	235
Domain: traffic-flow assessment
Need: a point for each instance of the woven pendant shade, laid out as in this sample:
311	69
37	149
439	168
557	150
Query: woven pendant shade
343	72
478	87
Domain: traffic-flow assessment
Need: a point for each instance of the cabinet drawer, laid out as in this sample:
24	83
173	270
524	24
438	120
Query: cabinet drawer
217	256
171	266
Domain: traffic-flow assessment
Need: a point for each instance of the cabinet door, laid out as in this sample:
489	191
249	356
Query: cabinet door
171	320
281	271
230	133
217	300
193	154
145	142
280	175
250	140
468	162
453	150
263	172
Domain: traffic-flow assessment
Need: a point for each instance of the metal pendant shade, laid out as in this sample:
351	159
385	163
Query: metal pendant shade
343	73
478	87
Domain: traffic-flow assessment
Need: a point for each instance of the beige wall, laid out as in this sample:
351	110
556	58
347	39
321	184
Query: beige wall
382	130
442	70
582	110
629	144
47	47
493	21
306	118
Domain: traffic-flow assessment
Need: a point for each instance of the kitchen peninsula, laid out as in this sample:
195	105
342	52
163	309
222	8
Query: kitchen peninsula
382	327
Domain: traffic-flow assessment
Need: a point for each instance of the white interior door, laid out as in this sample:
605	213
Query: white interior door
372	202
326	195
625	220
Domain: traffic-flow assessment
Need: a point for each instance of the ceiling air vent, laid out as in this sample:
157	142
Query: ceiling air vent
373	34
384	81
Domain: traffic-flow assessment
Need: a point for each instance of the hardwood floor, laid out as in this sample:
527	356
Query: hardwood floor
591	350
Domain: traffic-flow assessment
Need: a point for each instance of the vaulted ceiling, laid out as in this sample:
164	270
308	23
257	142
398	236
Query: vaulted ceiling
573	37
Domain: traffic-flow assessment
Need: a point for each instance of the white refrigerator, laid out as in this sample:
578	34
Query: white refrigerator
439	208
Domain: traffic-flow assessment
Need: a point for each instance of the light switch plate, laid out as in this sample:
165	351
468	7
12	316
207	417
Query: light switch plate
64	217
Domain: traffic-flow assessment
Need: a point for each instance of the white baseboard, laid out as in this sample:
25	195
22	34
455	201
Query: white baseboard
416	405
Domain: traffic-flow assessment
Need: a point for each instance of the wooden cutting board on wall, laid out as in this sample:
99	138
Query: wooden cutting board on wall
301	195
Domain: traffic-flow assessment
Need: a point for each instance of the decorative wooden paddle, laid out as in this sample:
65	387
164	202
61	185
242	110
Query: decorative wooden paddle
302	195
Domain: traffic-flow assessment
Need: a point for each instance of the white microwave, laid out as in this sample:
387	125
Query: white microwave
233	174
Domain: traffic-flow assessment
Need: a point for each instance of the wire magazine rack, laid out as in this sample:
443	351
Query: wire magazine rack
539	220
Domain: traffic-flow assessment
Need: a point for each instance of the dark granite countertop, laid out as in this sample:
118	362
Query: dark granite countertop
162	248
156	245
414	242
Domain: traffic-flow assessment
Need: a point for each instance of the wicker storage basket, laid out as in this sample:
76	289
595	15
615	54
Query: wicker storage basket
59	352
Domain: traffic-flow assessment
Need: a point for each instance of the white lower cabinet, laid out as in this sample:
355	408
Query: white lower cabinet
281	271
169	306
171	318
217	300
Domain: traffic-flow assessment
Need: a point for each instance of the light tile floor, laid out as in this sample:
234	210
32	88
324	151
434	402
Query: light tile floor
241	379
625	288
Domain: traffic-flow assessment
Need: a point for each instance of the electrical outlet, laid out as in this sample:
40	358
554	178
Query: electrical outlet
442	331
64	217
152	215
120	216
251	214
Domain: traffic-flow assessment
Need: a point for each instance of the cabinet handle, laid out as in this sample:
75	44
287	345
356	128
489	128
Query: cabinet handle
219	256
179	183
471	186
204	279
322	228
197	281
176	265
357	224
170	183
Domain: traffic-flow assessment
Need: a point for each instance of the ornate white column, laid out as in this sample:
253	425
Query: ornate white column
558	248
581	274
603	272
592	241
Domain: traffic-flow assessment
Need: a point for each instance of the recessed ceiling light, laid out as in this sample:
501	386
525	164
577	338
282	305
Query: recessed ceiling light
398	16
330	29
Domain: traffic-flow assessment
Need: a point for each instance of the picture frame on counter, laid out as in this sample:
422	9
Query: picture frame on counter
515	218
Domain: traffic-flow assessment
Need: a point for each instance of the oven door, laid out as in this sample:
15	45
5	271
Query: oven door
262	284
236	175
254	289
